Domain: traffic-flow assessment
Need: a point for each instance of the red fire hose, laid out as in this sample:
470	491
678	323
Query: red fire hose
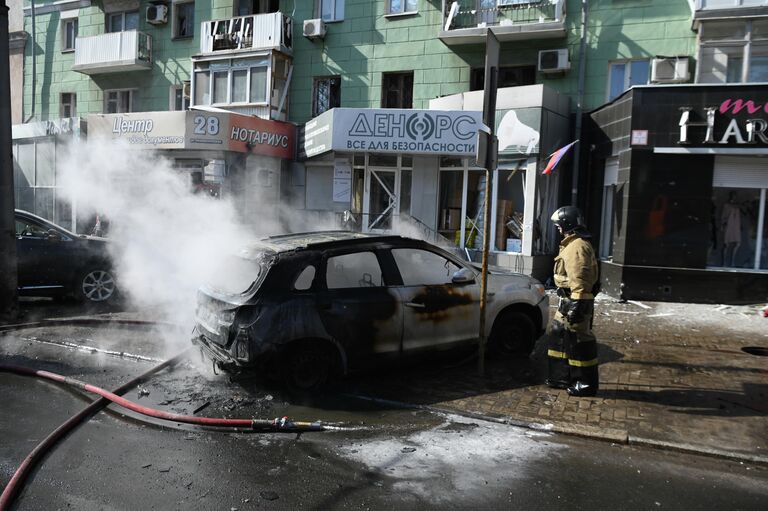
277	425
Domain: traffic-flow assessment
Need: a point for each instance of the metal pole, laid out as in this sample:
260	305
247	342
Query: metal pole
8	277
580	101
489	119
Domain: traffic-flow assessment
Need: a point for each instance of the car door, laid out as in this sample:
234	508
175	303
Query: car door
43	260
358	308
436	311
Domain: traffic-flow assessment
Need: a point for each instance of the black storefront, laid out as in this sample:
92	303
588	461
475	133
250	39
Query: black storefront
677	179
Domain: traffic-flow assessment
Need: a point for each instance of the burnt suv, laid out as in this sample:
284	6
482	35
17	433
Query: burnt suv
320	304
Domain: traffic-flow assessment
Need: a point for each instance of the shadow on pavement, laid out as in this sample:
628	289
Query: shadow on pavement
752	401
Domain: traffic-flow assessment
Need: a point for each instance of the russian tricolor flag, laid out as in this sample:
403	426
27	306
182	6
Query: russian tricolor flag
555	158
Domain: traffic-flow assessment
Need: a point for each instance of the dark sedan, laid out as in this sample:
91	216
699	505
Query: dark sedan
53	261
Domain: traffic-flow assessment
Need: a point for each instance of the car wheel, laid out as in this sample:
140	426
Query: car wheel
513	333
307	366
96	286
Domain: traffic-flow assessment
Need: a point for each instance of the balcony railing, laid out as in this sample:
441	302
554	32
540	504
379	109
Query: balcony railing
466	21
113	52
273	31
727	9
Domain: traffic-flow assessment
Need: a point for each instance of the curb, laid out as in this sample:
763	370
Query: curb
617	436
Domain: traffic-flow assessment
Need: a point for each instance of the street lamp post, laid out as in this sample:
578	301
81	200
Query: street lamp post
8	276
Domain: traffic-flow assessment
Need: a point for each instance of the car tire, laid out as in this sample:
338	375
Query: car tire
307	366
513	333
96	285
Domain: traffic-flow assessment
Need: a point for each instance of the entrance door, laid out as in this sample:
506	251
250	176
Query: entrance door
381	200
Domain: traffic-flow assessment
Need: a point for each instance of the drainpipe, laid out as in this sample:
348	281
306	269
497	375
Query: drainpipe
579	101
34	64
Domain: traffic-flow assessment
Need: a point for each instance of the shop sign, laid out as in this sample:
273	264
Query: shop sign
197	129
392	131
744	120
518	131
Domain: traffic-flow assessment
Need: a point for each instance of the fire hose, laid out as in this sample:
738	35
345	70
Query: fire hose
283	424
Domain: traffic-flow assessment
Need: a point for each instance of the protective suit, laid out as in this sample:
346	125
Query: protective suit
572	347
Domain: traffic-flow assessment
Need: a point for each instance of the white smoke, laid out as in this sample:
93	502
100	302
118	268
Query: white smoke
166	241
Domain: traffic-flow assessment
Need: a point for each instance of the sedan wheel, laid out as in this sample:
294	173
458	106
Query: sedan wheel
97	286
307	367
513	334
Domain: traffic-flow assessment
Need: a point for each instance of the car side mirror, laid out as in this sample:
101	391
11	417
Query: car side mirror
463	276
54	235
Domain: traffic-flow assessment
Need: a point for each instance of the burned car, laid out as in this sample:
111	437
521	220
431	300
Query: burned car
315	305
55	262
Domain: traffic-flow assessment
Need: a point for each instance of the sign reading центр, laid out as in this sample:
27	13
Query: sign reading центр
196	130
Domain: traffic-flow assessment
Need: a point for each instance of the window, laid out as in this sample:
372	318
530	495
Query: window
623	75
68	34
733	52
183	20
231	81
122	21
68	104
246	7
360	269
330	10
180	96
401	6
423	268
509	76
326	94
305	278
118	101
397	90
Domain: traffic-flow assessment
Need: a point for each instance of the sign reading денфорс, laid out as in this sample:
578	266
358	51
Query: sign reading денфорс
391	131
222	131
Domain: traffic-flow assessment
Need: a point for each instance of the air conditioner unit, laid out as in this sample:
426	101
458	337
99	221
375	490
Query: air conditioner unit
669	70
554	61
157	14
314	29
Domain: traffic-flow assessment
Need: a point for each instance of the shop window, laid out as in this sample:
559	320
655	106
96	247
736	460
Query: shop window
739	233
509	76
122	21
118	101
329	10
68	105
401	6
423	268
397	90
183	20
610	182
508	235
450	187
733	52
623	75
68	34
180	96
326	94
360	269
405	192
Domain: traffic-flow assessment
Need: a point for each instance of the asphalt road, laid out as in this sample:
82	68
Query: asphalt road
384	458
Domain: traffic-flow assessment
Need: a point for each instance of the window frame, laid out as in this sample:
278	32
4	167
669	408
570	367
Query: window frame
123	15
400	75
335	16
66	23
315	103
131	100
186	101
71	104
403	12
176	9
745	44
627	63
201	68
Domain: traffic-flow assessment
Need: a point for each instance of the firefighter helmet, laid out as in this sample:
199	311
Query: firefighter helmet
568	218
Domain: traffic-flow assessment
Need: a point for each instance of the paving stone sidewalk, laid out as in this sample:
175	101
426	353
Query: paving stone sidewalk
671	375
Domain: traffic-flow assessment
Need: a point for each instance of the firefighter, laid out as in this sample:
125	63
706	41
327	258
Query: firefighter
572	348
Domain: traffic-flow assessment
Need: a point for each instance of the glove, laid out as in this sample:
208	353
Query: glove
576	311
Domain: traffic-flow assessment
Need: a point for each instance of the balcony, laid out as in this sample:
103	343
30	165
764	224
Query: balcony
113	53
724	9
273	31
512	20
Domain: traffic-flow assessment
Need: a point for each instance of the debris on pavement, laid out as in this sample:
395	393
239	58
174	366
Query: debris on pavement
269	495
639	304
